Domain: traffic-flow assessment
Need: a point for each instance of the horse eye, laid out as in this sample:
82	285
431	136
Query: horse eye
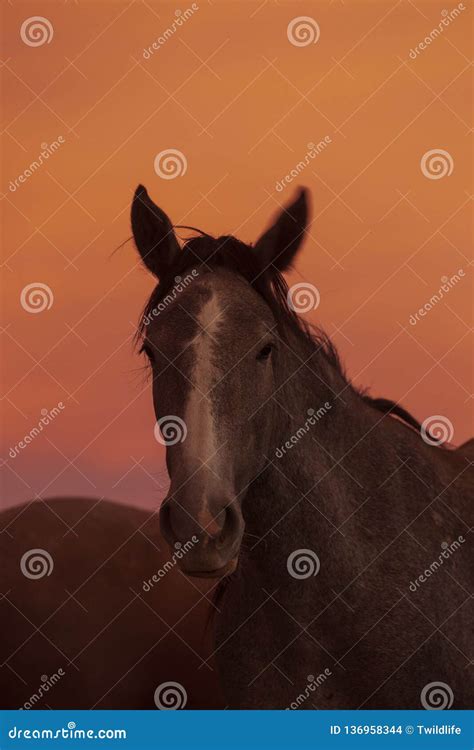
146	349
265	352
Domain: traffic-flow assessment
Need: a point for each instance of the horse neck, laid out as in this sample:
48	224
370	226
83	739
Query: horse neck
324	465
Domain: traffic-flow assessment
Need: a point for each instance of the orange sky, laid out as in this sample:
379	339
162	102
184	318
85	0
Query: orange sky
241	102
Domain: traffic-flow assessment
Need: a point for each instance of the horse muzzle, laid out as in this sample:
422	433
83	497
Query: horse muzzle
205	536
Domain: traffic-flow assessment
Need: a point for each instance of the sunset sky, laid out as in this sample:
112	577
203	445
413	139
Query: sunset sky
242	102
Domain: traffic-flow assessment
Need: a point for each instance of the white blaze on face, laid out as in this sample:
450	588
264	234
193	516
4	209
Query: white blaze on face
202	442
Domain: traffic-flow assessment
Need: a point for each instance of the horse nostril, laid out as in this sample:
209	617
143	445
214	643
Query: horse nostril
230	527
216	531
213	526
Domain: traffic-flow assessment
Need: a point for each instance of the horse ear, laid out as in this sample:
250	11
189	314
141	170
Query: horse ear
153	233
279	244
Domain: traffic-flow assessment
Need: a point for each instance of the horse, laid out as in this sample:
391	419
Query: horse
338	526
319	534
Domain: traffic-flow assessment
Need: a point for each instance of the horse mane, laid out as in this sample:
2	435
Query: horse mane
203	251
